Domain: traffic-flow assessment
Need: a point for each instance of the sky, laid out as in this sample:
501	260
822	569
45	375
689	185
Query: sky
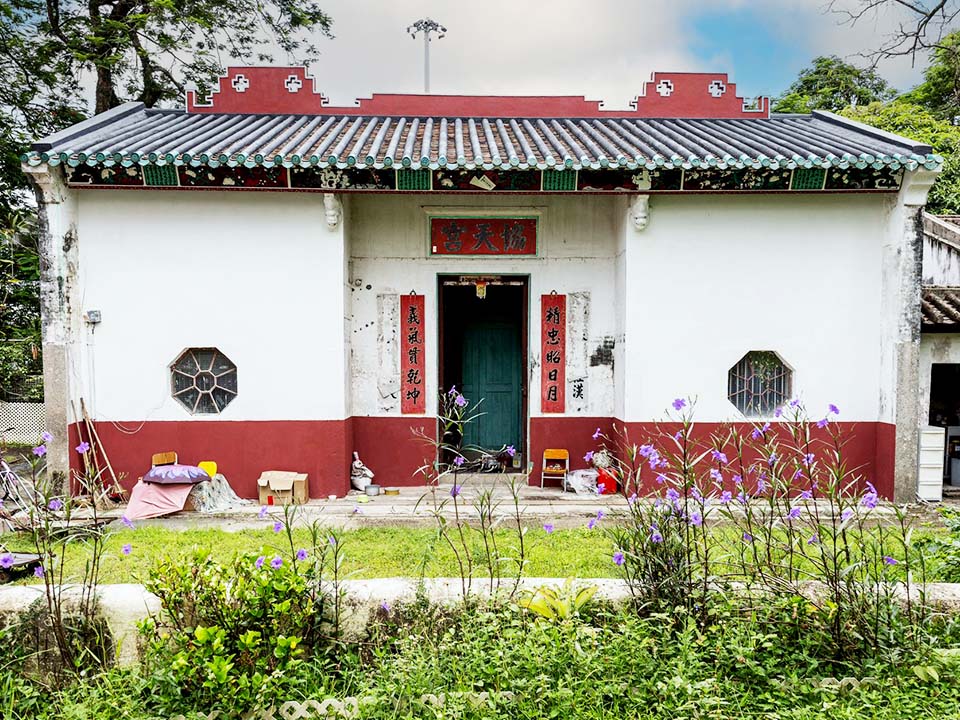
603	49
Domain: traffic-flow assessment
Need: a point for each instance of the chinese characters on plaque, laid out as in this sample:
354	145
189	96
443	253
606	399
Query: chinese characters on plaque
483	236
553	351
413	398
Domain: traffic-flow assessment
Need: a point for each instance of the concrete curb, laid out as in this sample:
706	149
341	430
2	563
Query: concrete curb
125	606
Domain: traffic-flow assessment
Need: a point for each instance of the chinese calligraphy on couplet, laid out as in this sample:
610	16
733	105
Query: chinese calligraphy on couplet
413	385
483	236
553	341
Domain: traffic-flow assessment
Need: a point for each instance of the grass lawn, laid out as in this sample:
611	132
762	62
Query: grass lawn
370	552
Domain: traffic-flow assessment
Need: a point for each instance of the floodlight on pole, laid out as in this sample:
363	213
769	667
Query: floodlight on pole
426	26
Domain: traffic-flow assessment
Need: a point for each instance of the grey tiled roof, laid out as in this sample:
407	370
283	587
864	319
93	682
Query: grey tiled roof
940	308
132	134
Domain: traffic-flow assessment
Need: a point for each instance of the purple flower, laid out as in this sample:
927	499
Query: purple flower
460	402
719	456
655	536
259	562
742	497
772	460
385	606
870	499
453	390
455	490
596	434
55	504
618	558
778	412
673	495
814	539
38	571
40	450
458	460
592	524
588	458
263	512
889	560
822	423
696	519
646	451
301	554
846	515
738	479
761	485
600	488
833	409
679	404
695	493
276	563
661	478
808	459
82	447
332	540
127	549
795	403
678	435
797	475
759	432
726	496
747	537
6	561
46	436
632	499
548	528
806	495
794	513
357	510
511	450
716	475
599	514
126	521
277	526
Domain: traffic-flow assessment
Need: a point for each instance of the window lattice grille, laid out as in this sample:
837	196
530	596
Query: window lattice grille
413	179
808	179
559	180
759	383
203	380
160	175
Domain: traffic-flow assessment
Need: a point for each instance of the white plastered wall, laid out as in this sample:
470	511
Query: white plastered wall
712	278
389	234
258	275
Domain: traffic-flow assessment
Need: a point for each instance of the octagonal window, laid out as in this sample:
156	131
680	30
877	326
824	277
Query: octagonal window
759	383
203	380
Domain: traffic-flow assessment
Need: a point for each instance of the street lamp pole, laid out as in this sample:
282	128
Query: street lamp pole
426	26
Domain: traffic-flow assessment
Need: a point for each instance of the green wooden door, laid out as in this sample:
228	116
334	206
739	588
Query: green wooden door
492	371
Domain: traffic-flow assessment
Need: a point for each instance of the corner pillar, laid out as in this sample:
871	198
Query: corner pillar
57	227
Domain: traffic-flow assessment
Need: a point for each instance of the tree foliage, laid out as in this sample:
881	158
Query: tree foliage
832	84
918	123
940	90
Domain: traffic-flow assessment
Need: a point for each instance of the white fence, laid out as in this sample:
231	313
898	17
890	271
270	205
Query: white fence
21	422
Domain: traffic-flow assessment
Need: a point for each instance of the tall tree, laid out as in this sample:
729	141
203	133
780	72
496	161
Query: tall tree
148	49
922	25
940	90
832	84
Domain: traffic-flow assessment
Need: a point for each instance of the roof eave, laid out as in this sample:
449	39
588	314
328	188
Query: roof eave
86	126
877	133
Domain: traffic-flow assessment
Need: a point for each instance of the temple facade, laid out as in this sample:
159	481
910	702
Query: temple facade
272	282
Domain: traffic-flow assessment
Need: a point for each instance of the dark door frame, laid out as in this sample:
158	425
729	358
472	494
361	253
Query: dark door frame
523	280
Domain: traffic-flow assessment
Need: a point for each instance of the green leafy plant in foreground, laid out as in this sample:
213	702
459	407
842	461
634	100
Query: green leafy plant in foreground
232	636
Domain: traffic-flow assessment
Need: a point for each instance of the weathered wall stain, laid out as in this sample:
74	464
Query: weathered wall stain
603	355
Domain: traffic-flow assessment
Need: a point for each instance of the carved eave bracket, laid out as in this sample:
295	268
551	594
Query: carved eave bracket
640	212
333	210
49	181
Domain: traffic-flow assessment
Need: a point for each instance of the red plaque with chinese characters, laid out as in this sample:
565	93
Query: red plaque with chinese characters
483	236
553	352
413	385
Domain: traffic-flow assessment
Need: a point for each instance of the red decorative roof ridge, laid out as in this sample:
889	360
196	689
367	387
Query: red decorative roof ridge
292	91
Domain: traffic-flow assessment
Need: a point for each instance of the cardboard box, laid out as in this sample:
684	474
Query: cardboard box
284	487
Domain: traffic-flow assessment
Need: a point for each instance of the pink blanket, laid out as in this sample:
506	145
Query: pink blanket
149	500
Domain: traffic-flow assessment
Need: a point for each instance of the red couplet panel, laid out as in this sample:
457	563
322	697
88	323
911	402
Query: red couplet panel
483	236
413	397
553	352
